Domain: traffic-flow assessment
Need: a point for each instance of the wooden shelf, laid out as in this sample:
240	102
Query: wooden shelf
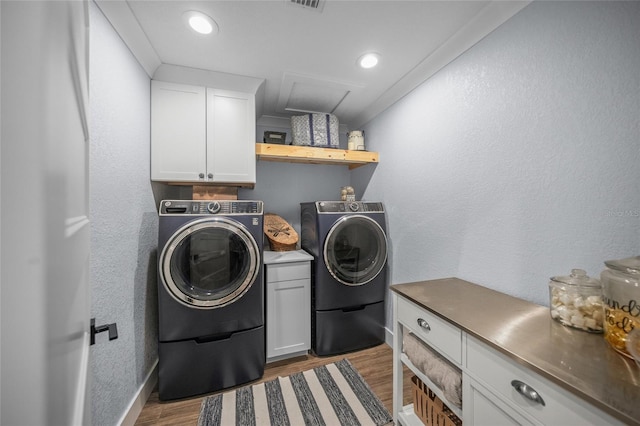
313	155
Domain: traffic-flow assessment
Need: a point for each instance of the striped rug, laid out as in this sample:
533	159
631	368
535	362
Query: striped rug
334	394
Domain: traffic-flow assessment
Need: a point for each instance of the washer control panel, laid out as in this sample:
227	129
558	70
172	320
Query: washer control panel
209	207
348	207
214	207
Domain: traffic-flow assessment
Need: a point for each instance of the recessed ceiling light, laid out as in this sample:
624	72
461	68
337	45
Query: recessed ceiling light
200	22
368	60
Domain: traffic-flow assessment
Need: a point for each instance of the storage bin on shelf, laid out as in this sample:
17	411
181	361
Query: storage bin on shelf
274	137
429	408
320	130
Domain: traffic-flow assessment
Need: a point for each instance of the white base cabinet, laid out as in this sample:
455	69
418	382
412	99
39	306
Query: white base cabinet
496	390
288	304
202	135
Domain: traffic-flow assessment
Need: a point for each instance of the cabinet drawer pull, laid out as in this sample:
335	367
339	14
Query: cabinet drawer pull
424	324
527	391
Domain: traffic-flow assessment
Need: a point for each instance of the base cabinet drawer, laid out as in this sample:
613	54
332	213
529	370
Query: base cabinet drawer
288	272
483	408
437	333
529	393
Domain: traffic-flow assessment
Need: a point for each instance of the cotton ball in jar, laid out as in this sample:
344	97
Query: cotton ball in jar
576	301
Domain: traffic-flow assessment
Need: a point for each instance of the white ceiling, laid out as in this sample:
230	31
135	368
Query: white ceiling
305	59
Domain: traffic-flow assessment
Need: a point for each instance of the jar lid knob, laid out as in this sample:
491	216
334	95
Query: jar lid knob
578	273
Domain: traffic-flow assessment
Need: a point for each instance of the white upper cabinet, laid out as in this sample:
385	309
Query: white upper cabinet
178	132
202	135
231	136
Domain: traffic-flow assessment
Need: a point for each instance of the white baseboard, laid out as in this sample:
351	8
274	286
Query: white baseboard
137	403
286	356
388	337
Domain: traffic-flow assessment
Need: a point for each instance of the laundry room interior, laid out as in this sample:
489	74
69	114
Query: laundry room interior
502	151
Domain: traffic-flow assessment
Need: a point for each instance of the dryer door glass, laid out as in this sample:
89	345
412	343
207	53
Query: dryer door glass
210	263
355	250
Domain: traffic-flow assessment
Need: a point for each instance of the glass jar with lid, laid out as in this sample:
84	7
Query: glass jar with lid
621	296
576	301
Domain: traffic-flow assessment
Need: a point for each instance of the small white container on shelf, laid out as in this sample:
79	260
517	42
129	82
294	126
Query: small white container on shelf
355	140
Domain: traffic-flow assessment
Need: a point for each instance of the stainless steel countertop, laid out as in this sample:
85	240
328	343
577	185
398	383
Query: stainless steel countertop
580	362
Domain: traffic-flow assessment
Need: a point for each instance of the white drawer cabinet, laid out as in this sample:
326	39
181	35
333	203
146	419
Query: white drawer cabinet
288	304
437	333
529	393
519	367
202	135
483	408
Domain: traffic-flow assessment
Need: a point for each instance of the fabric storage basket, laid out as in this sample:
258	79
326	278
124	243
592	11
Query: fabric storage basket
315	130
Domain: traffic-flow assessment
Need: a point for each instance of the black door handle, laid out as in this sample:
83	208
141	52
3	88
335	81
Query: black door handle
113	330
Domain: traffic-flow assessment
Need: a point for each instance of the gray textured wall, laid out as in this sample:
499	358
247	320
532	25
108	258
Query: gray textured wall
123	223
519	160
283	186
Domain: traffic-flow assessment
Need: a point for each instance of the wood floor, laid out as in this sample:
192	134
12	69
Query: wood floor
374	365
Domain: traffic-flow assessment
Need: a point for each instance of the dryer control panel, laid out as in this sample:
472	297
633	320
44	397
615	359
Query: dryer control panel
349	207
209	207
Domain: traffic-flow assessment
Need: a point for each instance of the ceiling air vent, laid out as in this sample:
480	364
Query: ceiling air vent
308	4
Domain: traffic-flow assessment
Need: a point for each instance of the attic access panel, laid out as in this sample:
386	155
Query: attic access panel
308	98
299	93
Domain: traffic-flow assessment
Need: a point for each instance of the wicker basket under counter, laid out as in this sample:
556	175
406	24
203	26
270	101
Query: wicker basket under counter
429	408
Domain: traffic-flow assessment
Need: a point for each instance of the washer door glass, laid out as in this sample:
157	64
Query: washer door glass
210	263
355	250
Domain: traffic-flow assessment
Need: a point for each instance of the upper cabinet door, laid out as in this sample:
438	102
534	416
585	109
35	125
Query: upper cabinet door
231	137
178	132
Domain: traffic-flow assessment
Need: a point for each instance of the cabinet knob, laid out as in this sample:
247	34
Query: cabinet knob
201	175
527	391
424	324
210	175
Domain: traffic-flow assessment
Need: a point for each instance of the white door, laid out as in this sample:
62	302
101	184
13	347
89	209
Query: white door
45	220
